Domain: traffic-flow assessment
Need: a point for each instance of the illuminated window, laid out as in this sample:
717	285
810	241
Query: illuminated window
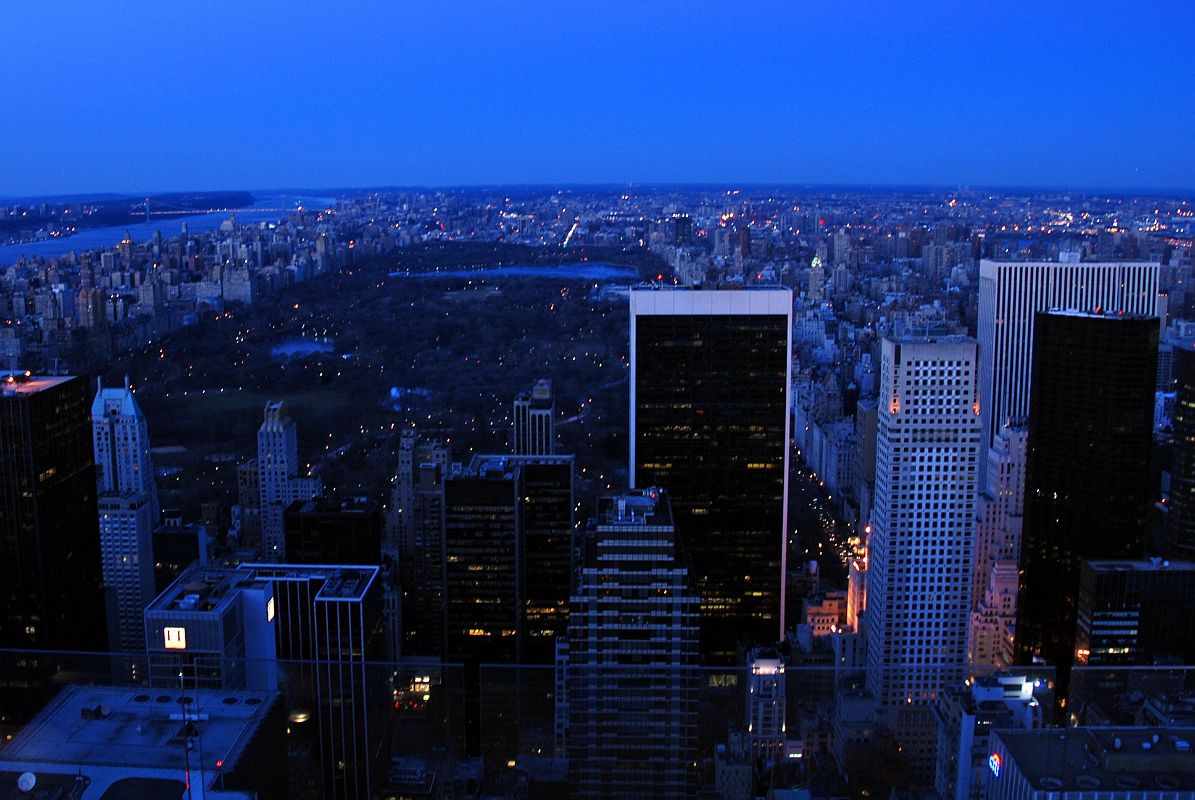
175	638
270	610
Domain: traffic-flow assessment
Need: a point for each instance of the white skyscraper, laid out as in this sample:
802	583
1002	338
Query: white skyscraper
1011	292
128	510
281	482
920	549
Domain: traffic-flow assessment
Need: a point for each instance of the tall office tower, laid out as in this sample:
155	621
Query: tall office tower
1088	490
327	531
994	580
282	481
481	553
682	229
330	640
709	418
128	511
1180	517
120	434
631	677
507	549
413	453
246	528
920	548
1011	293
766	728
534	413
51	577
549	514
420	564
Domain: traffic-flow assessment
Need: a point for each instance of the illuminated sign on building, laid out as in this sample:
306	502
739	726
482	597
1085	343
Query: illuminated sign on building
994	764
175	638
270	610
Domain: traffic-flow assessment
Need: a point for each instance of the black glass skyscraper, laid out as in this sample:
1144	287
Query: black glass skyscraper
710	424
51	584
1088	492
1180	519
507	550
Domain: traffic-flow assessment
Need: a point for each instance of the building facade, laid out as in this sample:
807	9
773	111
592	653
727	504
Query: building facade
281	480
1011	293
1180	516
630	680
710	421
920	548
128	510
49	530
534	421
1088	490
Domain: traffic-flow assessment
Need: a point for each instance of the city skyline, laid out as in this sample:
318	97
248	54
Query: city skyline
460	95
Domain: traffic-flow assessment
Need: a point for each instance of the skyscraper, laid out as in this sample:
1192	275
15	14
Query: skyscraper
534	413
51	579
1180	517
421	566
326	531
507	550
920	549
128	510
682	230
630	680
1088	492
1011	293
281	481
413	453
120	434
999	520
710	376
314	627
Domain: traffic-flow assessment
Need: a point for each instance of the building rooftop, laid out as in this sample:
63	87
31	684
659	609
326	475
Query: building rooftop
1106	759
340	581
348	583
644	507
1139	565
202	589
328	505
114	734
14	382
1096	313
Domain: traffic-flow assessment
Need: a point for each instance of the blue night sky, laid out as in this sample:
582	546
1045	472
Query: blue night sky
155	96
